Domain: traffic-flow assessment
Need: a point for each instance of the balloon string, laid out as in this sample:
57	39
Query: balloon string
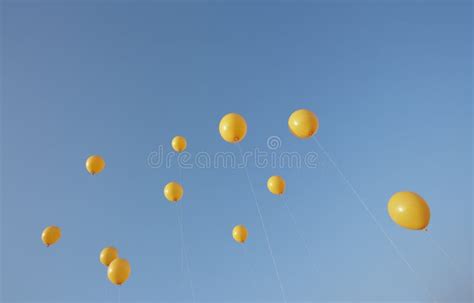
185	268
181	241
185	264
191	284
250	263
444	252
263	227
372	216
300	234
119	297
180	218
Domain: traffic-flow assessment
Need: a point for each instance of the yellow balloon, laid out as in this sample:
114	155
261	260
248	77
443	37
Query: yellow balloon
51	235
108	254
179	144
239	233
119	271
276	185
173	191
303	123
409	210
233	128
95	164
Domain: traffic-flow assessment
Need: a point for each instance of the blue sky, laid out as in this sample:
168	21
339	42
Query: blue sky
391	84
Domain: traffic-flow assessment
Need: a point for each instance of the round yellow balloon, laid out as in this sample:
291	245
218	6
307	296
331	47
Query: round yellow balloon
108	254
179	144
409	210
51	235
233	128
239	233
119	271
276	185
303	123
95	164
173	191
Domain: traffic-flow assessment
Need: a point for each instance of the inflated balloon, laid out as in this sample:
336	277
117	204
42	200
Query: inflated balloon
119	271
51	235
276	185
95	164
108	254
409	210
239	233
233	128
173	191
179	144
303	123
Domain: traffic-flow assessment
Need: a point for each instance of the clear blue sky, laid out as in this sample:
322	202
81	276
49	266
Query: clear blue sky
391	84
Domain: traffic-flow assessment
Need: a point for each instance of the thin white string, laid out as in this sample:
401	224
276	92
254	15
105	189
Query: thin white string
191	284
181	244
444	252
119	297
300	234
248	258
185	263
185	267
263	227
371	215
180	217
